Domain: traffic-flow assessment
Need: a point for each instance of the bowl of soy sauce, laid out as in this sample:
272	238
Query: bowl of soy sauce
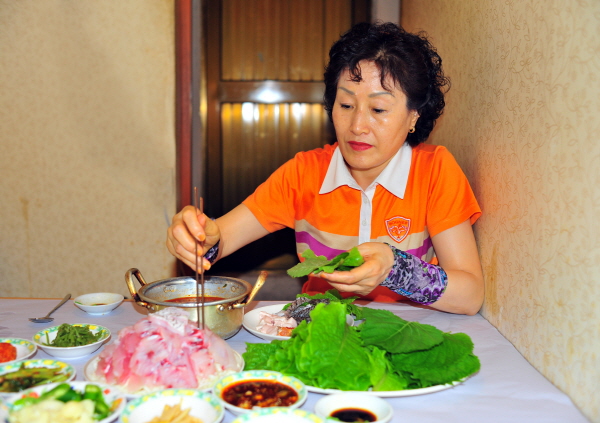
354	407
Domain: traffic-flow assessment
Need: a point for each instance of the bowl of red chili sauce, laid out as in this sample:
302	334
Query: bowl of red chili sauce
257	389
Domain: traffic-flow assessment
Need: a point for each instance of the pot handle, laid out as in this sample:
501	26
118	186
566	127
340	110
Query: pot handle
129	281
259	283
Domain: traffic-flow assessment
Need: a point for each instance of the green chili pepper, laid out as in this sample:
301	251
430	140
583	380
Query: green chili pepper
71	395
101	410
56	392
92	392
24	402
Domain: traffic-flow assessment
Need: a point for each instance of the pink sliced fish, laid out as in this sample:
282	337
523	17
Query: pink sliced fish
164	350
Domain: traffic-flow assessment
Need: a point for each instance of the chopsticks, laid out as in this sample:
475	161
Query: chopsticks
199	203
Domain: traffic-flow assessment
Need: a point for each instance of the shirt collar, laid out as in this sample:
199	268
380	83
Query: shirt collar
393	178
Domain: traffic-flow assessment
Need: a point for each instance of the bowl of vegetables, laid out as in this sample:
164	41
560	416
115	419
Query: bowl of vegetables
72	401
71	341
98	303
255	389
19	376
174	405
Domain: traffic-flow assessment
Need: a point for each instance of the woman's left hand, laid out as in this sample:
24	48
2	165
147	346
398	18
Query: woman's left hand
363	279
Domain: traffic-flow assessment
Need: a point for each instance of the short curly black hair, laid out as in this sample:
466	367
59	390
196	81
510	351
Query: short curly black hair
409	59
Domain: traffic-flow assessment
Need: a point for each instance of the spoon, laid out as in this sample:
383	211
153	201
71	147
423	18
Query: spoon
47	318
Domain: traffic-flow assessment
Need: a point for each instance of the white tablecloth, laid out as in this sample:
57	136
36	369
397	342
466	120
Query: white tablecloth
507	389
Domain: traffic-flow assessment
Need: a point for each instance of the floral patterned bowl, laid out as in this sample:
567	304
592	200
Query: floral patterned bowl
66	371
25	349
278	415
46	336
202	405
258	375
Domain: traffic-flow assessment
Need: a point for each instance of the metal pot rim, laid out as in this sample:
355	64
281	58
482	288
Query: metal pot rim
183	280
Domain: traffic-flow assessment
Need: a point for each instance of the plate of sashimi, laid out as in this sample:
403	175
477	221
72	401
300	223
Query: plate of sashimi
161	351
279	320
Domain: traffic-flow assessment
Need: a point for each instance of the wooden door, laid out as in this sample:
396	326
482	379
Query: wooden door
264	90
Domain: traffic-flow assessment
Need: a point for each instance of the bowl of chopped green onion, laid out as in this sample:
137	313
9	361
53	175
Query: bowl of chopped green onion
71	341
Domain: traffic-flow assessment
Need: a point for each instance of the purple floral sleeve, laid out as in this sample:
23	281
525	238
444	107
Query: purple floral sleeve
212	253
416	279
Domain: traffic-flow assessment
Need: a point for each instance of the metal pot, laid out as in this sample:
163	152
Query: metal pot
223	317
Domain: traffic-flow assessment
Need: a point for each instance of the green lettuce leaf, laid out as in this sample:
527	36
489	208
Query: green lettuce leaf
450	361
317	264
384	329
257	355
316	348
383	375
385	353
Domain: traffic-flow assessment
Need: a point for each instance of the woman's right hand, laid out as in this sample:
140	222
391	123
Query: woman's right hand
188	228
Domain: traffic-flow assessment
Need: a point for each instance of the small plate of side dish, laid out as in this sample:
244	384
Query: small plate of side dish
20	349
354	407
98	303
89	339
255	389
180	405
63	401
278	415
30	373
252	320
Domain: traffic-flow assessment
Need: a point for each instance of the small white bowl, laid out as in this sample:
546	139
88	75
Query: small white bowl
258	375
64	368
278	415
25	349
113	397
329	404
98	303
202	405
69	352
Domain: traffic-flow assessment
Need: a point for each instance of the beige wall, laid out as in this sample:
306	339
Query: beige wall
522	120
87	144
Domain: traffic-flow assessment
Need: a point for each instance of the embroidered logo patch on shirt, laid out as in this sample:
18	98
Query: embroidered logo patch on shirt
398	227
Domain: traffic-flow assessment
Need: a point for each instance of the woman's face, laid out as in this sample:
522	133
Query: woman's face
370	122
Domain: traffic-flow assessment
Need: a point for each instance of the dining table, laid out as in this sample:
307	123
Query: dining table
507	388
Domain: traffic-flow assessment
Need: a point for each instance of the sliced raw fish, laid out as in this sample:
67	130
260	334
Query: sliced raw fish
301	307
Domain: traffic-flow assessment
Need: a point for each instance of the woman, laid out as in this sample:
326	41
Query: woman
406	205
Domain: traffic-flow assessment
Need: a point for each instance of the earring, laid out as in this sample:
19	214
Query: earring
412	130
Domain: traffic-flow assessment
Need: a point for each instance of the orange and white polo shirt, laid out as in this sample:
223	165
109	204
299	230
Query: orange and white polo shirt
420	193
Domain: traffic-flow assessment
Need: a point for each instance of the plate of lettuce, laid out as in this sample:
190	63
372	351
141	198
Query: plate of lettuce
388	355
